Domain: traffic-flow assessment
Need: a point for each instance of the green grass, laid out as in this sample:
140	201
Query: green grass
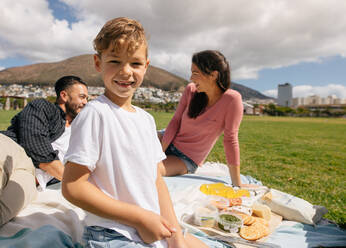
5	118
305	157
302	156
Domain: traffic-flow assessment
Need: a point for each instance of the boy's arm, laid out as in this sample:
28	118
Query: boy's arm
54	168
78	190
167	211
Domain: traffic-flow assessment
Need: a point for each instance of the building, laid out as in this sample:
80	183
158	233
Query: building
248	108
284	95
315	100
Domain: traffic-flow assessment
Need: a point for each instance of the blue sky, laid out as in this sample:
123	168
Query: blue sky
62	11
329	71
267	42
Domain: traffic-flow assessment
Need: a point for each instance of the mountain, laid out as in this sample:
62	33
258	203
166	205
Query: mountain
248	93
47	73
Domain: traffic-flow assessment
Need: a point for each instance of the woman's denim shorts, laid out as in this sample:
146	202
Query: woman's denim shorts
190	165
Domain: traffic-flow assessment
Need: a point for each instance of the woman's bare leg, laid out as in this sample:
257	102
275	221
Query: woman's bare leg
173	166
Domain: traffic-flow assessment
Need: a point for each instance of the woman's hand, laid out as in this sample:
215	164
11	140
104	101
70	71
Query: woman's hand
250	186
153	227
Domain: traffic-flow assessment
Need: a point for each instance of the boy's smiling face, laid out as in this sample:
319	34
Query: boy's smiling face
122	72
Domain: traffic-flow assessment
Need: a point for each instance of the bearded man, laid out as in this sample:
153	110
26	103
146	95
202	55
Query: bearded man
33	147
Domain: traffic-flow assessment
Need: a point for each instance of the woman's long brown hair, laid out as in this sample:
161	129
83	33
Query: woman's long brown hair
208	61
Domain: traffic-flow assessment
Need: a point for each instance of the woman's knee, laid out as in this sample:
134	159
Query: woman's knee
174	166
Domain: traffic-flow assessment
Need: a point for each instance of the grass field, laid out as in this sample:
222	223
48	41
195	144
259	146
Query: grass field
305	157
5	118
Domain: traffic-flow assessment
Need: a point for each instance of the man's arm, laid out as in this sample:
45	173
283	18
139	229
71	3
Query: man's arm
78	190
34	133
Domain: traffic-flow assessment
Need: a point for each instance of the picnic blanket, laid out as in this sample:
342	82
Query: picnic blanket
52	221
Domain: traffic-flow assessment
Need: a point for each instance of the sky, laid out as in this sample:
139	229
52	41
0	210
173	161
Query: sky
267	42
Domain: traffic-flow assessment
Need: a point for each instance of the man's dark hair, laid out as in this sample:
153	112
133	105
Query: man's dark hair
66	82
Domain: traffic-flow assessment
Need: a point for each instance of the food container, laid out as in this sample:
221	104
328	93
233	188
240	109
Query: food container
205	216
229	222
219	201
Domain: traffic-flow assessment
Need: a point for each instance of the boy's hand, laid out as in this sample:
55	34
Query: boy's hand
153	227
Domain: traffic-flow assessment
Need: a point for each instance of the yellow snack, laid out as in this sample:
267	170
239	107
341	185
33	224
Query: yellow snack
221	189
243	192
204	189
231	194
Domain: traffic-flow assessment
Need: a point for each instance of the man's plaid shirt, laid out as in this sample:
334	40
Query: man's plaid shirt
36	127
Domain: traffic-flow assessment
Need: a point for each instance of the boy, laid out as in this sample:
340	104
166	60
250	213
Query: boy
114	153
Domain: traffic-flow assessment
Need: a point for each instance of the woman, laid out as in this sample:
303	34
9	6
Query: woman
207	108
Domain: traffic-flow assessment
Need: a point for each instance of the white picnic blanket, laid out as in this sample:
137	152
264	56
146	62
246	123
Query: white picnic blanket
51	209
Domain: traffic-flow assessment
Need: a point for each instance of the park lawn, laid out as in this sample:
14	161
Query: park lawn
305	157
302	156
5	118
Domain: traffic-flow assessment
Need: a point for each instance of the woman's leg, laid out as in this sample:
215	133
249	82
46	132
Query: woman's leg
173	166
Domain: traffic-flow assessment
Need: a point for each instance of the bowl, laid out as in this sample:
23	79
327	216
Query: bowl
229	222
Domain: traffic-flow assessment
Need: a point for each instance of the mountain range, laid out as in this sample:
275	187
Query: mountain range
46	74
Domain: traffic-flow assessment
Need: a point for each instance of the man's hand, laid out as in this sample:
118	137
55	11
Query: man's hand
54	168
153	227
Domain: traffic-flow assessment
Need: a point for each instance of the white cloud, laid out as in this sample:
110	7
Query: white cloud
252	34
33	33
308	90
271	93
2	68
323	91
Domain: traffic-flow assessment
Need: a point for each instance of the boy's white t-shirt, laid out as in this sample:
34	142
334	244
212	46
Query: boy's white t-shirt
121	149
61	145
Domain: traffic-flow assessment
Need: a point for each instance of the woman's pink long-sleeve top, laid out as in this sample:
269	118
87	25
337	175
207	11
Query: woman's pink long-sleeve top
196	137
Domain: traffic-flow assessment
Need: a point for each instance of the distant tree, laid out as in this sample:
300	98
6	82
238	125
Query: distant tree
270	109
3	100
302	111
327	112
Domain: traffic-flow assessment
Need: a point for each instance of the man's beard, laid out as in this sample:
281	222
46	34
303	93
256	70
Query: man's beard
71	109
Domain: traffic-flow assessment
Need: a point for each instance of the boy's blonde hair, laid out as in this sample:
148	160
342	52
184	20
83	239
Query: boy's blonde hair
120	31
